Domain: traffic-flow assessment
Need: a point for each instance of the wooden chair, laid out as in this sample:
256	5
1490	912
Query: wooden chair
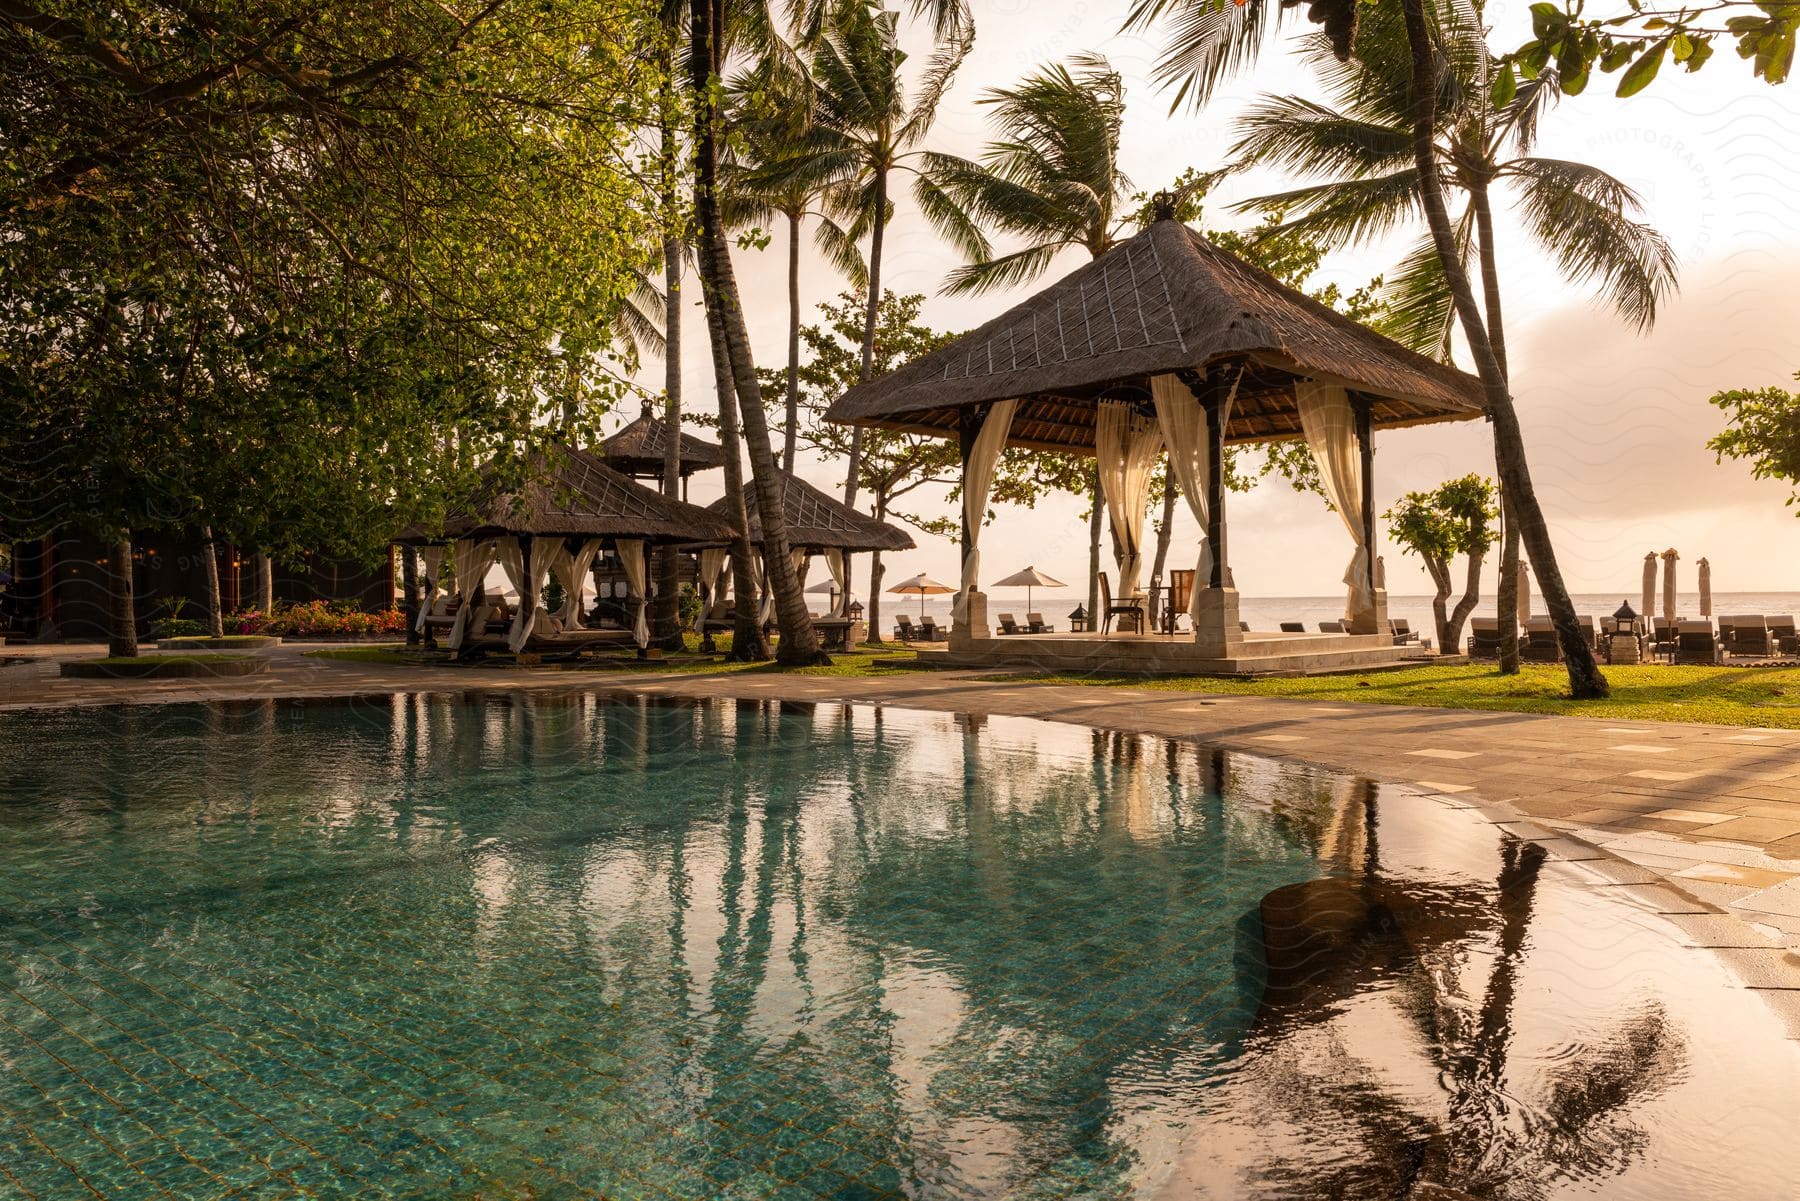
1662	637
1180	597
904	629
1035	624
1132	607
1009	624
928	631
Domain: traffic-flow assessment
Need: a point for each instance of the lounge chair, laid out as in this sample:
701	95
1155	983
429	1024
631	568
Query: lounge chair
718	617
905	631
1293	627
1588	631
1331	627
1697	642
1783	634
1132	607
1035	624
1484	638
1662	637
929	632
1403	632
1747	634
1009	624
1540	644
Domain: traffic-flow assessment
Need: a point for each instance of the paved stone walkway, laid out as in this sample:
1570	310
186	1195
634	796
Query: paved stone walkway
1713	811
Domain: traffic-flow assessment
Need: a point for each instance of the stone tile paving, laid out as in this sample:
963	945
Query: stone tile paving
1712	811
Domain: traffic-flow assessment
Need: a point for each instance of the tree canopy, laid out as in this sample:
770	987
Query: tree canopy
1765	429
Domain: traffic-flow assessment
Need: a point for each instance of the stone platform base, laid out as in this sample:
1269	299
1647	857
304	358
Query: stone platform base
1133	654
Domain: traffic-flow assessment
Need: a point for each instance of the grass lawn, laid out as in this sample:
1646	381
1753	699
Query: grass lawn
1730	696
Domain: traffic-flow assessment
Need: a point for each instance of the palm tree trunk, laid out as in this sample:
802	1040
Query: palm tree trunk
1159	588
668	562
876	570
1585	679
791	435
209	557
748	643
877	235
1506	596
265	584
799	641
120	605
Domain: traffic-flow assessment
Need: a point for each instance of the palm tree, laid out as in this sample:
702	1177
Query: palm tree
1050	179
766	181
863	130
1419	89
725	318
1582	217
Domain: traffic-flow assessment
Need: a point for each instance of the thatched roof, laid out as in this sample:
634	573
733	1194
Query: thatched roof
572	493
817	522
1166	300
638	449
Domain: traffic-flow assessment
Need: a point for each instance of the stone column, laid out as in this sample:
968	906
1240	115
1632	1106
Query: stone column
1377	622
974	622
1216	630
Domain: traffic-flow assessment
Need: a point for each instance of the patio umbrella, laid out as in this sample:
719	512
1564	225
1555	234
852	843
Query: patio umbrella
1705	588
1648	606
1028	579
922	586
829	587
1524	605
1670	558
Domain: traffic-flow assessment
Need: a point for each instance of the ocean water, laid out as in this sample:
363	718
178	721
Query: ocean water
555	946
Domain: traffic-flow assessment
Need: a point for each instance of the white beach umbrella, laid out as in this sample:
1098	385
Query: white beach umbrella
1705	588
1028	579
1670	558
1648	605
922	586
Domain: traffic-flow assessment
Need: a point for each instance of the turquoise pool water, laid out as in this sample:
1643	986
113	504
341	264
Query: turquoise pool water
559	946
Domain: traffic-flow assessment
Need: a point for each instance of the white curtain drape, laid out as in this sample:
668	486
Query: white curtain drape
839	566
1127	444
1329	424
578	573
431	564
472	560
978	478
765	599
1185	431
712	566
800	561
543	550
637	578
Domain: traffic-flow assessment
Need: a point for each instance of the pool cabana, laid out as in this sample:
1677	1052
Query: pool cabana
1167	344
569	508
817	524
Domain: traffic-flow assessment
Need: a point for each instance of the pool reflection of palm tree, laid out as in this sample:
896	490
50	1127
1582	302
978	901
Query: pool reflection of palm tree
1370	927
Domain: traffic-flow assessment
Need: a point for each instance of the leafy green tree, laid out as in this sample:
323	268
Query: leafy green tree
285	270
1455	518
1764	427
1639	41
864	129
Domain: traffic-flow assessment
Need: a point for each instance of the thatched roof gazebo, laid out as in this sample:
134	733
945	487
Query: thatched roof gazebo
554	523
638	450
1167	341
819	524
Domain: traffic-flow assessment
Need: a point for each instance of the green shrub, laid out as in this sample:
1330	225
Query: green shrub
176	627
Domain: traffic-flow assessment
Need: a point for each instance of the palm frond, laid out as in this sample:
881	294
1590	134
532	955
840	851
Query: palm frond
638	328
1418	309
1347	210
1209	41
840	250
1018	267
1581	216
1296	134
950	218
939	75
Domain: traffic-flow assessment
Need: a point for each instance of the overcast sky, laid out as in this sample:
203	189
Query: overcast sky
1615	422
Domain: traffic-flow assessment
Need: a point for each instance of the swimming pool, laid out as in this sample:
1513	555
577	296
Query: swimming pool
536	946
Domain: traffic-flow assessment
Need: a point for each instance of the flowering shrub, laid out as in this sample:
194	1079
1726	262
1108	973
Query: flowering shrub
319	619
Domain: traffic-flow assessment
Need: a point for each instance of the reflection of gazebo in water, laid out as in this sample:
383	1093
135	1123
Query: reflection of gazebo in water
819	525
1168	342
565	508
